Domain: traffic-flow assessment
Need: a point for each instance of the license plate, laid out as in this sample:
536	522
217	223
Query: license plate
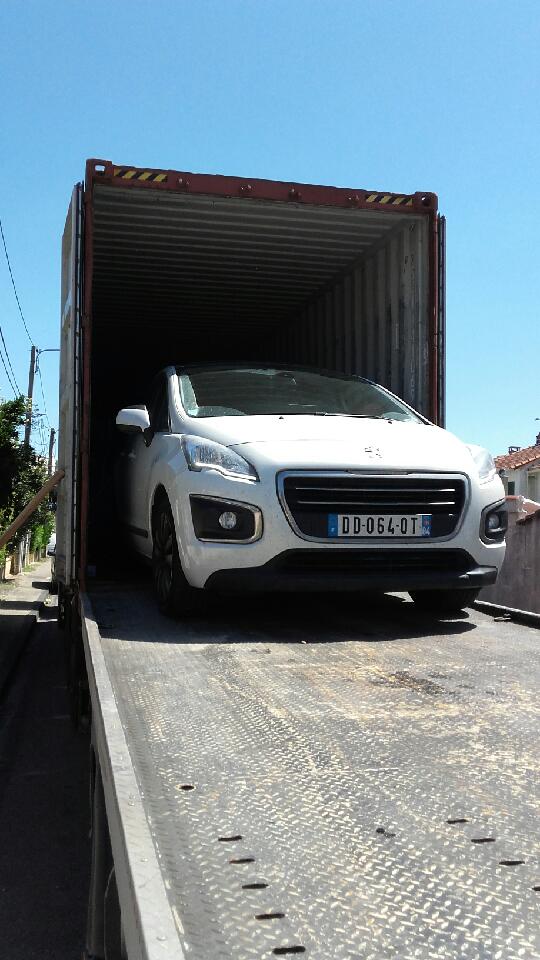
379	525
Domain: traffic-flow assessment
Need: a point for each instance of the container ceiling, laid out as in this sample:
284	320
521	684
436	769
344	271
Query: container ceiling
162	257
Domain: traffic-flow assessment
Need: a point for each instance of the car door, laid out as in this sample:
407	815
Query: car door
143	455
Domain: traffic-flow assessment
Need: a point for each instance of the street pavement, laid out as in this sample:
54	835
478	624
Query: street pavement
44	816
20	602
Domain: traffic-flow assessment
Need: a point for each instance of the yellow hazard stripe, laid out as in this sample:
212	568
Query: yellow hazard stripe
133	174
393	199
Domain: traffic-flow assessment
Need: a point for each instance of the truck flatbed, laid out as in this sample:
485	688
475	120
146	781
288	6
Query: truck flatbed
327	776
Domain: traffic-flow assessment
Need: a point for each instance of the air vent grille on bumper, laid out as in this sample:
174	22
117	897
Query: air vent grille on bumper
365	569
310	499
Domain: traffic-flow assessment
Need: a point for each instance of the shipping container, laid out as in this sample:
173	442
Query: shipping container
162	266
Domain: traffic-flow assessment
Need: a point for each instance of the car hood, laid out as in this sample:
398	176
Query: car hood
325	442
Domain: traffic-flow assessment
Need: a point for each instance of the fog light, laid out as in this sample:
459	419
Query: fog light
494	522
227	520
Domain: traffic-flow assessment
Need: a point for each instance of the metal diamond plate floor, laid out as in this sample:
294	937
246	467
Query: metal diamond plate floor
334	778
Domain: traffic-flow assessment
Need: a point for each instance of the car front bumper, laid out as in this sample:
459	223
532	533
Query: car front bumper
355	570
281	559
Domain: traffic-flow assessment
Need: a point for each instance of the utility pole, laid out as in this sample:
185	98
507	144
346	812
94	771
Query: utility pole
51	448
30	394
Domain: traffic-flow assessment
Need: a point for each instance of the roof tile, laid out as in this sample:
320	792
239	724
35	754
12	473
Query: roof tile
521	458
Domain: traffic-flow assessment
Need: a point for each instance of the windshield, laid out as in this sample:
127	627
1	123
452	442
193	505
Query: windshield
254	391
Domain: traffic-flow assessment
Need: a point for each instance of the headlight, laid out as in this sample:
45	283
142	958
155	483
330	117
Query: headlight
485	463
204	454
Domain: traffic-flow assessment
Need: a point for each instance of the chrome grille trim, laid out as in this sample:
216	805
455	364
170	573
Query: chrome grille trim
379	503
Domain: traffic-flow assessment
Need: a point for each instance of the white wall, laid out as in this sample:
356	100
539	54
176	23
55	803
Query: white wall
526	482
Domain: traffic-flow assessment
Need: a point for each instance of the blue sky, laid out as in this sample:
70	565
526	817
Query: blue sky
400	96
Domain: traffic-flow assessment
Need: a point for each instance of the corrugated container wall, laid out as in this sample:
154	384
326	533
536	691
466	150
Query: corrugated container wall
69	394
372	320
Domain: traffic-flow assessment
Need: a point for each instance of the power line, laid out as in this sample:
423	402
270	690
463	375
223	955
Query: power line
7	374
40	444
13	284
42	437
26	329
10	367
38	368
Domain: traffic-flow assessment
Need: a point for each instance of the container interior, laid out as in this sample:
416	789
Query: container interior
179	277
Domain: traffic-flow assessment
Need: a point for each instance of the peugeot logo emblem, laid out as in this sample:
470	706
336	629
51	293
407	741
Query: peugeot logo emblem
373	452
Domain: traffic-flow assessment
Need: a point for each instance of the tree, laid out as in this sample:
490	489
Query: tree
22	473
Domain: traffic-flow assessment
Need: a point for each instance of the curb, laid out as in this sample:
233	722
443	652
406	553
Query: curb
527	617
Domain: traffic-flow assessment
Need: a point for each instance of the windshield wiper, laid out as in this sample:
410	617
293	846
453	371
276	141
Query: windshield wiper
355	416
326	413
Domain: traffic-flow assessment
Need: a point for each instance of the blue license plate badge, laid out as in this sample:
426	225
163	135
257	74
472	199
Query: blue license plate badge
426	525
333	525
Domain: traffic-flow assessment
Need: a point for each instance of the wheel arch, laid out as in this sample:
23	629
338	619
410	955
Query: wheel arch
160	494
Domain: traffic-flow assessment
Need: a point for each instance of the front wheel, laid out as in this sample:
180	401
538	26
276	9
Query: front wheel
175	596
444	601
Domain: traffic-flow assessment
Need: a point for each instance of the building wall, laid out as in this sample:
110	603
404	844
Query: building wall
526	482
533	485
519	480
518	585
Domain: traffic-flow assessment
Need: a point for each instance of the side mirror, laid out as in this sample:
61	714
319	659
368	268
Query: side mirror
133	419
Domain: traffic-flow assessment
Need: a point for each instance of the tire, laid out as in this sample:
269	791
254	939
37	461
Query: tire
444	601
175	596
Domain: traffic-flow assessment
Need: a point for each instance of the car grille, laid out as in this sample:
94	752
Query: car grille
309	499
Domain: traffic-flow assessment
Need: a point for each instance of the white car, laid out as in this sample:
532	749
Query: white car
238	477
